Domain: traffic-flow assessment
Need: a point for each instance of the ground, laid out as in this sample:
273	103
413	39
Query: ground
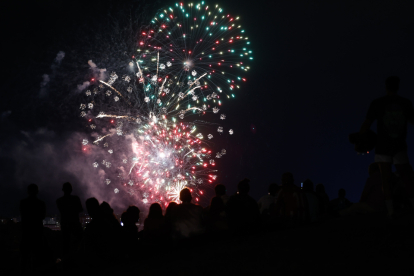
345	245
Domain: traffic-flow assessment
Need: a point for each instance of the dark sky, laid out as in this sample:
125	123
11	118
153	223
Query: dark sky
317	67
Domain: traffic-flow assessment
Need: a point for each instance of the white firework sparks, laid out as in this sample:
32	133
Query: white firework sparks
154	108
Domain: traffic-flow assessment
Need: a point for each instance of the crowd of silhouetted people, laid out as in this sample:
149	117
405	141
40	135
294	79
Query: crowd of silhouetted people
107	239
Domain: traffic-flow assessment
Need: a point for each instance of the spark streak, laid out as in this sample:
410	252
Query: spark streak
152	150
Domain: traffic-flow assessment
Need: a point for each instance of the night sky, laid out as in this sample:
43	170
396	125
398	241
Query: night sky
317	67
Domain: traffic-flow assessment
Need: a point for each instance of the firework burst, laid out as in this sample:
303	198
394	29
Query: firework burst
144	122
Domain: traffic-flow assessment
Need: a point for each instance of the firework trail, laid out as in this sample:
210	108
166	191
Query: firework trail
187	61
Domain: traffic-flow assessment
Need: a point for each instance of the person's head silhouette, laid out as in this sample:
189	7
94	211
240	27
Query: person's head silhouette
243	187
273	188
32	189
92	206
220	190
67	188
308	185
287	179
125	219
133	213
155	211
341	193
106	209
185	195
320	188
392	84
169	212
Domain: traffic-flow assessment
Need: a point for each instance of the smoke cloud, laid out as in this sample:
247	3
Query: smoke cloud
44	85
50	159
98	73
59	57
101	73
5	114
92	64
83	86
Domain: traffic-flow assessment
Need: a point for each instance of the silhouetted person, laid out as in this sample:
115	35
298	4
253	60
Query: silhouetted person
114	228
109	216
32	212
242	210
130	230
99	238
92	207
323	198
170	218
169	212
93	229
392	113
220	190
154	224
217	207
188	221
340	203
69	207
290	202
216	211
217	204
267	200
312	201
